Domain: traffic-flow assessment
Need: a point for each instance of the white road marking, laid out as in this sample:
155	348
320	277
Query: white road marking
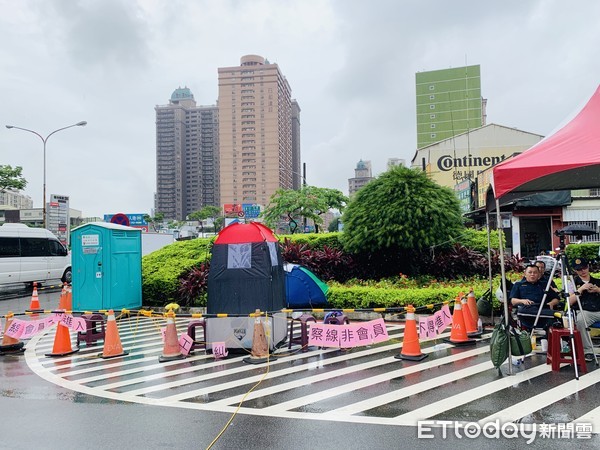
147	344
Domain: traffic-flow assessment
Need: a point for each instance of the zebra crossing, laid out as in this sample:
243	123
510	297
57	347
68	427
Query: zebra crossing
361	385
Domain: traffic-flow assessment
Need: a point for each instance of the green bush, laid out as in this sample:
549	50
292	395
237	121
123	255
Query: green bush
315	241
477	239
588	251
162	269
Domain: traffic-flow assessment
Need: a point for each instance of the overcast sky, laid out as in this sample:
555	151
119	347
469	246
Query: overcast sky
351	65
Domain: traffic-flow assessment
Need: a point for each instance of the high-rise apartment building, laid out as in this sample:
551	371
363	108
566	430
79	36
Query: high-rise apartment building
255	132
362	175
297	176
448	103
187	156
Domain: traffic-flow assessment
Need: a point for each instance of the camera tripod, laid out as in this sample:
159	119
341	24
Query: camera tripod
568	284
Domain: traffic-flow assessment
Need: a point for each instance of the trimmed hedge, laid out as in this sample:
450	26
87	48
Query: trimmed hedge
162	269
314	240
381	296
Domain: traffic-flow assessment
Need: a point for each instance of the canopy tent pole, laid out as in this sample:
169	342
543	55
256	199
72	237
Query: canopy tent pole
487	225
503	274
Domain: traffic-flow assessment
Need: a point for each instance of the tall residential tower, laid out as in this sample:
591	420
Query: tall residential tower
255	132
187	156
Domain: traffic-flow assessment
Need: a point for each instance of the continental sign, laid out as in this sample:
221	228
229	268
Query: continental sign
446	162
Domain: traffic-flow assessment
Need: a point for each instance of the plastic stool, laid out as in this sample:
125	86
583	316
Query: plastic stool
303	339
340	319
191	331
555	355
94	329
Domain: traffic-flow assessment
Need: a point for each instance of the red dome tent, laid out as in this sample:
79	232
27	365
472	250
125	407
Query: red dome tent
246	271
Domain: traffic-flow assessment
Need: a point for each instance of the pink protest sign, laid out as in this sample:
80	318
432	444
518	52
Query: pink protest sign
423	330
219	350
185	344
16	328
30	329
347	335
79	324
67	320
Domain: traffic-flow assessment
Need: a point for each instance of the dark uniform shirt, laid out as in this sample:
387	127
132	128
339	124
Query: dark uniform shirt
590	301
532	291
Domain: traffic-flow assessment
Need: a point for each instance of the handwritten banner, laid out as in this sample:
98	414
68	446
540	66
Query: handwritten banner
431	326
219	350
26	329
347	335
185	344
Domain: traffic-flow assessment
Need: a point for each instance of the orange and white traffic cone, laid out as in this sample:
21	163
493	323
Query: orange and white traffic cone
62	301
35	300
470	324
69	298
458	335
62	342
112	342
171	349
411	349
9	344
260	348
472	302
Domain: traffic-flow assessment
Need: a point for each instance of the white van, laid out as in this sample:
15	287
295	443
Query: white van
32	254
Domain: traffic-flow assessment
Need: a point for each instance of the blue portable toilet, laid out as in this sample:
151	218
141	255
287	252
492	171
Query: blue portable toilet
107	266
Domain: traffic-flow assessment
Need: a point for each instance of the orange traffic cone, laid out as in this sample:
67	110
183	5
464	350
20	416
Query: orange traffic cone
69	298
411	350
112	341
470	325
260	348
458	335
62	342
62	301
472	302
35	301
9	344
171	349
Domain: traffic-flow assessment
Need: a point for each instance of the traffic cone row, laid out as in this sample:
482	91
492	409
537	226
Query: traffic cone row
9	344
458	335
411	349
65	302
470	324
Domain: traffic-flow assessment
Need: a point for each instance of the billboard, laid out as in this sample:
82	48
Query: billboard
135	220
58	217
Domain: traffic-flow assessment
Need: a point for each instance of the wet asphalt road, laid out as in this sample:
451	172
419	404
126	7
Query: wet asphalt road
39	414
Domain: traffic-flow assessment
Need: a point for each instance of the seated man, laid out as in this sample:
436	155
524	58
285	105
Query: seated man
588	290
527	295
541	265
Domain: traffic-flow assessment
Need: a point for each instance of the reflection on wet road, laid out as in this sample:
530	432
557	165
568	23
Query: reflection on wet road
363	385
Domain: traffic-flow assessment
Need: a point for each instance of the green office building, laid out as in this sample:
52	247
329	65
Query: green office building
448	103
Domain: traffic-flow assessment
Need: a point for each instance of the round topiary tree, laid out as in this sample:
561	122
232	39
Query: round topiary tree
393	218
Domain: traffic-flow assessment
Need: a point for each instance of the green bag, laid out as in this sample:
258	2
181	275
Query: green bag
520	342
499	345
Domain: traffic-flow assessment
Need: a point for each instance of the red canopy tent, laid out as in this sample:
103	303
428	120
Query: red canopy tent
567	159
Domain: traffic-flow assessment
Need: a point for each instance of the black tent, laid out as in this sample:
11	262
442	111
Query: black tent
246	271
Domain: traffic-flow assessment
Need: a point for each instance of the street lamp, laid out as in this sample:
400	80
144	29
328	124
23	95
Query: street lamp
44	140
